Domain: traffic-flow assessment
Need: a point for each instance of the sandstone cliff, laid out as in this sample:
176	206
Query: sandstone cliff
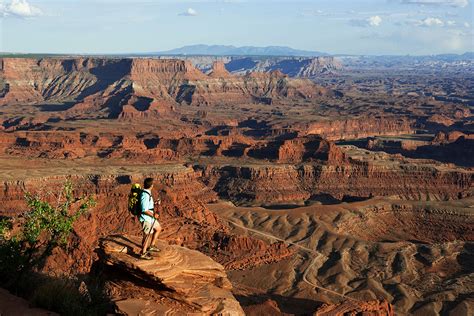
353	128
130	88
298	67
360	175
151	148
449	147
294	67
184	275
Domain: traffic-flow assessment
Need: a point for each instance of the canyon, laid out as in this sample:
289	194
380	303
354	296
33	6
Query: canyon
299	67
304	193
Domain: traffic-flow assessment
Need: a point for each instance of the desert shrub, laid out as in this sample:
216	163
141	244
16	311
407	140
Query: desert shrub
44	228
22	252
5	227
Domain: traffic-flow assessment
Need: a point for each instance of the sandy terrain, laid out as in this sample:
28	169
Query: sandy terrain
376	249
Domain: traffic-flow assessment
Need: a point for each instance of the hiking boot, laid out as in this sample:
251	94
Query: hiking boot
146	256
153	249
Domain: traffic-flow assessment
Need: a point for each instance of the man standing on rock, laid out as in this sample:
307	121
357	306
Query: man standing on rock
149	220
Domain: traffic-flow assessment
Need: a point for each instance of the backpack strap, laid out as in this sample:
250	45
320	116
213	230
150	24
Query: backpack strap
149	197
143	191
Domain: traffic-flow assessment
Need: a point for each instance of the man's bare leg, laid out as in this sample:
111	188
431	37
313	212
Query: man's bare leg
156	233
145	243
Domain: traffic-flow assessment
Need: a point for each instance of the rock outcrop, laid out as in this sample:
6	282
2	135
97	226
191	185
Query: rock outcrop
449	147
292	66
185	275
354	128
307	148
355	174
352	307
451	137
219	70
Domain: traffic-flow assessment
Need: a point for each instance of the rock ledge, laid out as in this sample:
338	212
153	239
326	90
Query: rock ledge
188	276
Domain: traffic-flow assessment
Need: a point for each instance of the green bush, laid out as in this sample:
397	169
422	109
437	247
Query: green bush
43	228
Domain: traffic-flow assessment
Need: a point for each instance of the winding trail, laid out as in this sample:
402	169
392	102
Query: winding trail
317	256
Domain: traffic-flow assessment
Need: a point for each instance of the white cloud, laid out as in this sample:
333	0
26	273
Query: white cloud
189	12
370	21
452	3
429	22
20	8
374	20
438	22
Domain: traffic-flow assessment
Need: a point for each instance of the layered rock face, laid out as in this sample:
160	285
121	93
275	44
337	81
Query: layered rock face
31	80
451	137
302	168
296	67
359	176
219	71
315	66
306	148
450	147
188	276
359	127
299	67
131	88
72	145
254	87
151	148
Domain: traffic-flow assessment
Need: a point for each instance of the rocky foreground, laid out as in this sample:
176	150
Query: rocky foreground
185	275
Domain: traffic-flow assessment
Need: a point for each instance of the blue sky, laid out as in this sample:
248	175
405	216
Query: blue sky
337	26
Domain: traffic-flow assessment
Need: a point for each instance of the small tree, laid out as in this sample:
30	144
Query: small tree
45	227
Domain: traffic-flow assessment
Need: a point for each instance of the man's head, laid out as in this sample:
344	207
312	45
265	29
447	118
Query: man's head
148	183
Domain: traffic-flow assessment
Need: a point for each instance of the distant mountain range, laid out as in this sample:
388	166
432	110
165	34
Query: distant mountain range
228	50
255	52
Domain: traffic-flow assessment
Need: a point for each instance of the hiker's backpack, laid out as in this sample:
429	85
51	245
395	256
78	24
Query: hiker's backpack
134	200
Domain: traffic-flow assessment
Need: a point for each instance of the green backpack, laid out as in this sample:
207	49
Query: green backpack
134	200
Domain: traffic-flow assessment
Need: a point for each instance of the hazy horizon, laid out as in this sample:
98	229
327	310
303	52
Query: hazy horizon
366	27
164	53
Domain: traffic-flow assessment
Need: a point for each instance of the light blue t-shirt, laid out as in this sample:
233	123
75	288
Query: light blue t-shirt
147	204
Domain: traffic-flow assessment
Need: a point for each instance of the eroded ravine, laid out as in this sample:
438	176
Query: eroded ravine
405	262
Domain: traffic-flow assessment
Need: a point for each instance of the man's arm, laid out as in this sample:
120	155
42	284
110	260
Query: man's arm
149	213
